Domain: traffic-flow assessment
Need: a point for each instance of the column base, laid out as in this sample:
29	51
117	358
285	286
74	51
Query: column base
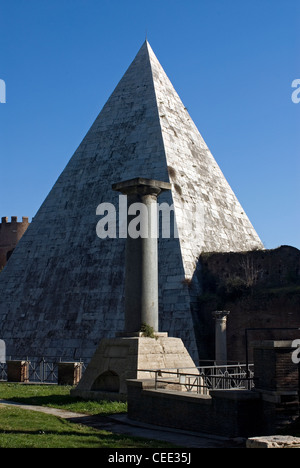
139	334
134	357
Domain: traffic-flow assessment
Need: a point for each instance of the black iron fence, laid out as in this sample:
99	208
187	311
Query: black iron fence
205	378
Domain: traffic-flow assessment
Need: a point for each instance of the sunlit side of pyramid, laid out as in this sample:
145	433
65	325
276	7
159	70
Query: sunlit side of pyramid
62	289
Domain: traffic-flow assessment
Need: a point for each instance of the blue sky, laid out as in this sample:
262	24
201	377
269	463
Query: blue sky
232	63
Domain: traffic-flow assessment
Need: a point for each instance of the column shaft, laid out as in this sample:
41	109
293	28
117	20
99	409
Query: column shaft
141	264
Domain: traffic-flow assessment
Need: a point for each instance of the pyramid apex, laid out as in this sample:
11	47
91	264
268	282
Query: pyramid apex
145	44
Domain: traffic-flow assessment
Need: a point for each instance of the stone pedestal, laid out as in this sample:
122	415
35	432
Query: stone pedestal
122	358
69	373
17	371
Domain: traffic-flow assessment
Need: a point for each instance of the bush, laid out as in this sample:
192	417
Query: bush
147	330
233	288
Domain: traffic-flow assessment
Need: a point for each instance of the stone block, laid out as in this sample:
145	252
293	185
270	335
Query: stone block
273	441
69	373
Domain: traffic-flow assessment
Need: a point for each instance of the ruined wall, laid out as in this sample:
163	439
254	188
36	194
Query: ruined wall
279	266
261	289
10	234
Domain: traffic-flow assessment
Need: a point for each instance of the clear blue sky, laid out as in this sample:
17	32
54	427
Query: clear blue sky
231	61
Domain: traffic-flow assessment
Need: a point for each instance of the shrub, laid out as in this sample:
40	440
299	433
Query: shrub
147	330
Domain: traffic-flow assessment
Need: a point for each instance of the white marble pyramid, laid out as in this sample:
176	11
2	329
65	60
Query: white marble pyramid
62	289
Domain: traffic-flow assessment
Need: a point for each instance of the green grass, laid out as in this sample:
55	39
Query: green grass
29	429
57	396
20	428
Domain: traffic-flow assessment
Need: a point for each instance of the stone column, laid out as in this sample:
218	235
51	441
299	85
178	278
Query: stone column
220	317
141	263
2	352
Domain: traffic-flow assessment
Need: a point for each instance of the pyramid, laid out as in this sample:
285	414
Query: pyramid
62	290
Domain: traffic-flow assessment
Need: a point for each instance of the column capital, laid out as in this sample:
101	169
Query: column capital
141	186
220	314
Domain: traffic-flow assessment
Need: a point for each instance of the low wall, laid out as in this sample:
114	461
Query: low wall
270	406
230	413
277	382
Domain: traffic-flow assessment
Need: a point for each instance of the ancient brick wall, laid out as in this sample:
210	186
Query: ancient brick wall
274	368
10	234
279	266
261	289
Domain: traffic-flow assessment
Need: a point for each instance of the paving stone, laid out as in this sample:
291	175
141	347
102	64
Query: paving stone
273	441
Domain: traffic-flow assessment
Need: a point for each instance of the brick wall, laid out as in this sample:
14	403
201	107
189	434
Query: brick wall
274	368
272	301
277	381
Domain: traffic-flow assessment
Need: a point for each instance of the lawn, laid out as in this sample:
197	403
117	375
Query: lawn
30	429
57	396
21	428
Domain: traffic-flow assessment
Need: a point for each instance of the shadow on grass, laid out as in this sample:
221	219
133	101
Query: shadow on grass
99	434
90	430
55	400
103	438
70	403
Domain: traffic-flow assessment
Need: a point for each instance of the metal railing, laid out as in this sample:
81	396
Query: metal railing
205	378
200	379
3	373
43	370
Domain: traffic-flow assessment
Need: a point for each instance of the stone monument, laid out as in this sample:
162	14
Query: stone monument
62	282
131	354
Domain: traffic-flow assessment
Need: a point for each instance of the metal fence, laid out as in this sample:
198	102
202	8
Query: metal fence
43	370
205	378
200	379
